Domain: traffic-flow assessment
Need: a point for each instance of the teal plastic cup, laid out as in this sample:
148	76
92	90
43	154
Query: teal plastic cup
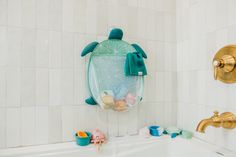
83	141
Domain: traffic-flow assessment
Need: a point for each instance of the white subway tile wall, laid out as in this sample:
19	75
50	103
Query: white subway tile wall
203	27
43	77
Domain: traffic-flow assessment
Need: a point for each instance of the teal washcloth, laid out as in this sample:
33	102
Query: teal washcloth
134	65
186	134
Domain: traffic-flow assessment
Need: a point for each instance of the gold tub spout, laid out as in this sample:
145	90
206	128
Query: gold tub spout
226	120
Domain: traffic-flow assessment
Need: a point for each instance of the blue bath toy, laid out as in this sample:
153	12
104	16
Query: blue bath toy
156	130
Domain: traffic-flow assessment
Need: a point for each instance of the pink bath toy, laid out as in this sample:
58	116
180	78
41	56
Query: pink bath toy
98	138
130	99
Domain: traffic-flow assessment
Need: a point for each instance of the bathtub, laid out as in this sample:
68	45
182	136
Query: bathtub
132	146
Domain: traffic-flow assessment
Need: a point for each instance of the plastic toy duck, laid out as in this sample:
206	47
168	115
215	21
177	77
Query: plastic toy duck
98	138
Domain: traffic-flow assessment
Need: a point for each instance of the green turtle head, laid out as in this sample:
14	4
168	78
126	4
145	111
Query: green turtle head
116	33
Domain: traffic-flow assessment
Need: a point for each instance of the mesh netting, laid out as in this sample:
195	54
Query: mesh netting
108	84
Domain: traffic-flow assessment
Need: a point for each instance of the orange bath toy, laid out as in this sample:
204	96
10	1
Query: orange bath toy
82	134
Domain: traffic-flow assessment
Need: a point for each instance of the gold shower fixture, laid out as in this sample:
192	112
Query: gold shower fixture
224	64
225	120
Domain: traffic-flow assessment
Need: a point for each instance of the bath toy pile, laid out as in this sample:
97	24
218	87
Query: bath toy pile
158	131
84	138
115	72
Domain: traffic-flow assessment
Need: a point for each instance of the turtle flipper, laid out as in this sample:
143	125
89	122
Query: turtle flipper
91	101
139	50
89	48
116	33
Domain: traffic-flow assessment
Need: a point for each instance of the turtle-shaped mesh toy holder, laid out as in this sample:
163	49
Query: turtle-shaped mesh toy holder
111	82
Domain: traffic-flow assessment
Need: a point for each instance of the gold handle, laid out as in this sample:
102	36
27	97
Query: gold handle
216	65
224	64
215	72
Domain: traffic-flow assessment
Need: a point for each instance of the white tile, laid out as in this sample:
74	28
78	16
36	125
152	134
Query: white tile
112	123
29	13
42	87
2	87
28	48
169	5
133	121
133	3
142	3
151	113
55	49
159	30
221	38
80	86
157	5
27	126
102	120
80	18
91	115
169	27
102	22
141	23
142	115
159	48
68	51
80	116
91	19
55	87
13	87
42	49
2	127
160	113
13	127
123	123
14	37
169	57
152	56
68	15
55	124
3	45
28	87
68	123
168	87
231	12
3	12
41	125
67	86
42	12
170	114
55	15
14	13
80	43
112	17
151	85
160	86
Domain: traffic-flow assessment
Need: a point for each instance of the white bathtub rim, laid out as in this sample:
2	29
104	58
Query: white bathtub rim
120	142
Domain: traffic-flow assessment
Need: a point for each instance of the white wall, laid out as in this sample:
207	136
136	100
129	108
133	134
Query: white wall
203	27
42	76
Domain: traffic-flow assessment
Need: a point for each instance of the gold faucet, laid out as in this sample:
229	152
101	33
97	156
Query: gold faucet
226	120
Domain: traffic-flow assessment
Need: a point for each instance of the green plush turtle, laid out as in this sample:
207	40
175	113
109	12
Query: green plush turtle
115	72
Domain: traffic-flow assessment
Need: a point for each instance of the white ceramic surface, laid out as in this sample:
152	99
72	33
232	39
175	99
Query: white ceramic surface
162	146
